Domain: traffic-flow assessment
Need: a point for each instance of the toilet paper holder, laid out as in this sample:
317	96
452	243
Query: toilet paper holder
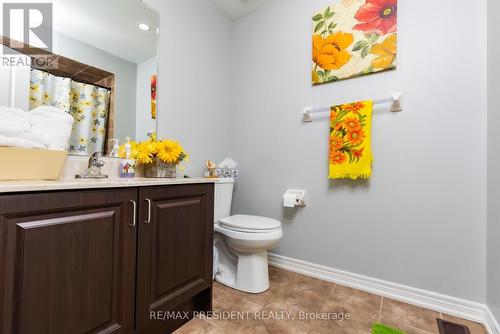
297	197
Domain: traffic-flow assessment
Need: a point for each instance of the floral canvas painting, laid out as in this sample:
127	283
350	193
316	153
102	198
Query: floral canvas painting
153	97
353	38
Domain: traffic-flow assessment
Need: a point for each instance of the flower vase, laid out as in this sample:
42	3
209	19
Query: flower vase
159	169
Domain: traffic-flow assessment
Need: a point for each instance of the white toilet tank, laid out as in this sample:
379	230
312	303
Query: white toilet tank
223	198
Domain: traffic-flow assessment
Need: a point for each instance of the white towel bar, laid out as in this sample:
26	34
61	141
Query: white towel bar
395	107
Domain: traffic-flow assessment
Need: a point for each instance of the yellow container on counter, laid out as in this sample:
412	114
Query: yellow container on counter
18	163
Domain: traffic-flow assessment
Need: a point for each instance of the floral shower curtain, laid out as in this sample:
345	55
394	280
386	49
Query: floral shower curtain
88	104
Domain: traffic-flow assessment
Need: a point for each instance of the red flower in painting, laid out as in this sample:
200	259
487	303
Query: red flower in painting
153	86
377	16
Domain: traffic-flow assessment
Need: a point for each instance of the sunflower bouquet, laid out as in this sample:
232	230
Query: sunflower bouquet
159	157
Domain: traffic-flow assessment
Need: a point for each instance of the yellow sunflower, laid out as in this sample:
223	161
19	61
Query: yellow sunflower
147	152
170	151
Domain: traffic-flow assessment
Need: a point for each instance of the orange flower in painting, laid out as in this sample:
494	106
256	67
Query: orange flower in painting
337	158
329	53
352	124
356	137
354	107
385	52
336	143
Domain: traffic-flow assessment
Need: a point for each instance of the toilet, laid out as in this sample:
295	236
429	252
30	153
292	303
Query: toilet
242	242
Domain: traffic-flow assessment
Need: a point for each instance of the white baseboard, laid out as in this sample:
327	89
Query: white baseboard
438	302
491	323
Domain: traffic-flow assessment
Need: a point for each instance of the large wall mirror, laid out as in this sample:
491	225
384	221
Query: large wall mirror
103	71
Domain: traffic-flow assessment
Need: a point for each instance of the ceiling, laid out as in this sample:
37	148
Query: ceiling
239	8
110	25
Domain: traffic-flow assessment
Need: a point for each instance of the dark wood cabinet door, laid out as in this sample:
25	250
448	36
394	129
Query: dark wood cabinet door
175	253
68	262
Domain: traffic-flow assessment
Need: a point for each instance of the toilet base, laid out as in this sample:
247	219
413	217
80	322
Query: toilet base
252	273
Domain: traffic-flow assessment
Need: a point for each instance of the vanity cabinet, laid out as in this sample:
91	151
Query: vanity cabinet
100	261
174	260
68	262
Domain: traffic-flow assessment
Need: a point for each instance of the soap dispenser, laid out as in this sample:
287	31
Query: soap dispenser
127	166
115	143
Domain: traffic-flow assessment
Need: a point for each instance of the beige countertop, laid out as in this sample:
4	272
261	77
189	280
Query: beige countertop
26	186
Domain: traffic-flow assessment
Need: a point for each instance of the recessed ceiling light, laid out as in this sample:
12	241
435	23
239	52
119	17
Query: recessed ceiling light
144	26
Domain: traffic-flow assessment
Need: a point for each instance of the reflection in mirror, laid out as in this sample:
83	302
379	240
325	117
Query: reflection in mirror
104	72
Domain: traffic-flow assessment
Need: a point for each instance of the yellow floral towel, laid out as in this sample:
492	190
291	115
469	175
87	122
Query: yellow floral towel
350	137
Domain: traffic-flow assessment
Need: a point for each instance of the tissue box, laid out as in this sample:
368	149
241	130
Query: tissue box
30	164
227	173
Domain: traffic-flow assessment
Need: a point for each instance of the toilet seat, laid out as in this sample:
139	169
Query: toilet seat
250	224
253	231
249	235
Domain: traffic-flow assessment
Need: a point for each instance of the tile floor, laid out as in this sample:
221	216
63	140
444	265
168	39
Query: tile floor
300	296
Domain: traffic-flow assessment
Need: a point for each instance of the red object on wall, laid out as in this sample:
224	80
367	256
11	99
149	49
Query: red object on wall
153	96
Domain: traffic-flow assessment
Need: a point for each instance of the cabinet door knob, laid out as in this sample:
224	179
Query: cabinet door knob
134	217
148	221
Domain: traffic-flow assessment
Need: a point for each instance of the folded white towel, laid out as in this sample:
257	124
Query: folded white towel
52	125
43	127
51	113
15	127
19	142
13	122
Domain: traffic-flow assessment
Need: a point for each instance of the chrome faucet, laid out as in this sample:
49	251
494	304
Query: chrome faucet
94	168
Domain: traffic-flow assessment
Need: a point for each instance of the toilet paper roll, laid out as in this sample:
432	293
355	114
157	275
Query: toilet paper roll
289	200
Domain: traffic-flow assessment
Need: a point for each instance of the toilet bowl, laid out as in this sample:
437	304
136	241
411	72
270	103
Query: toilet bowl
242	242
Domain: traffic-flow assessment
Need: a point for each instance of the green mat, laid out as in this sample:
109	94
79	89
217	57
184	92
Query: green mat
381	329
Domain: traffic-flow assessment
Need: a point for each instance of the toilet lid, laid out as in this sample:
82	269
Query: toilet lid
246	222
